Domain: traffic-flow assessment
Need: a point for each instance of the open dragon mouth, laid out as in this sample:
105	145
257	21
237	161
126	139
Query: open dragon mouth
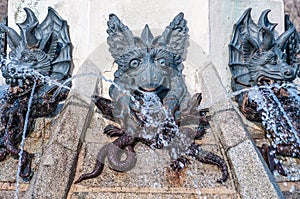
266	81
160	90
18	75
283	74
157	86
263	80
20	81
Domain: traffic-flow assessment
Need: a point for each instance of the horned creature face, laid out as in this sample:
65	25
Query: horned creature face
24	64
258	56
271	66
149	69
147	63
39	51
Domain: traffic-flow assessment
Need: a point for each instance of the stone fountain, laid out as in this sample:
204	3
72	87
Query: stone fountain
74	137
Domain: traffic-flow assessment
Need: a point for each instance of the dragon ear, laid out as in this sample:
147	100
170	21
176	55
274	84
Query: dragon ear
120	39
266	39
175	37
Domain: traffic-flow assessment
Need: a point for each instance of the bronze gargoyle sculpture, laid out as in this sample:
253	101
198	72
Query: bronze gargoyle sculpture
150	101
263	67
39	60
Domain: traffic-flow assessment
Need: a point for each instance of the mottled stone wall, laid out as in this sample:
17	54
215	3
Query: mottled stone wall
292	7
3	9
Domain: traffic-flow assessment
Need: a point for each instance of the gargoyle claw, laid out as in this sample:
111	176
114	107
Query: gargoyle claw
113	131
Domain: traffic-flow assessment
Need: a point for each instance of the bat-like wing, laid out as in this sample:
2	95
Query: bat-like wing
55	41
243	43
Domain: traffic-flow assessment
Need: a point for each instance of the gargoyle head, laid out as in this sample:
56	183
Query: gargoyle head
257	56
147	63
40	50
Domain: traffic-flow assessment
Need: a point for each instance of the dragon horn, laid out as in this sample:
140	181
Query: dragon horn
147	36
28	27
267	39
282	39
264	21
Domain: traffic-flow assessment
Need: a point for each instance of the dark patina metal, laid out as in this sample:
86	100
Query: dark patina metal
41	53
262	60
151	65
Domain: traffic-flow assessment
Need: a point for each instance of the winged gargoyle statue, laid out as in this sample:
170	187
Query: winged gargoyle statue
150	101
40	55
263	67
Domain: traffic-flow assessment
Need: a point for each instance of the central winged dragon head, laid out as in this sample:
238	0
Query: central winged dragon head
147	63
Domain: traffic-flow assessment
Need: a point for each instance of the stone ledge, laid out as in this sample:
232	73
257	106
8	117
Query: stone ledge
252	175
56	170
231	128
57	163
146	192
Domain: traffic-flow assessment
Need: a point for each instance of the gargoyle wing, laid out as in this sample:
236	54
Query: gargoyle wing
55	41
242	45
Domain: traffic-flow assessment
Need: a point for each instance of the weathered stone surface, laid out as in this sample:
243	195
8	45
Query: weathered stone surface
53	175
232	130
148	195
292	7
10	194
3	9
69	125
253	178
56	170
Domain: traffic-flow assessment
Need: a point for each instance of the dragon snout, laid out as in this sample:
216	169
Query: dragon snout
288	72
8	70
15	73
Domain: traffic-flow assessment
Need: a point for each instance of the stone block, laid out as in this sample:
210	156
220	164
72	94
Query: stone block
53	175
252	175
57	166
232	130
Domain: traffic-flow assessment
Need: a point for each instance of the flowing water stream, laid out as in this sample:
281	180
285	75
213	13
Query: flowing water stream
23	140
152	105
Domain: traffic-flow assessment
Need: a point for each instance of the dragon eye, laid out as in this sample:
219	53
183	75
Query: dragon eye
134	63
273	61
12	55
25	58
162	62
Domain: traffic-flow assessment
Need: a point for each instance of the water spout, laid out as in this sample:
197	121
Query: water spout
23	140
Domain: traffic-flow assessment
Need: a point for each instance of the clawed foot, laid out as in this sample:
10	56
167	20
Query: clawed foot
179	164
207	157
26	165
3	153
105	106
113	131
200	132
268	154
